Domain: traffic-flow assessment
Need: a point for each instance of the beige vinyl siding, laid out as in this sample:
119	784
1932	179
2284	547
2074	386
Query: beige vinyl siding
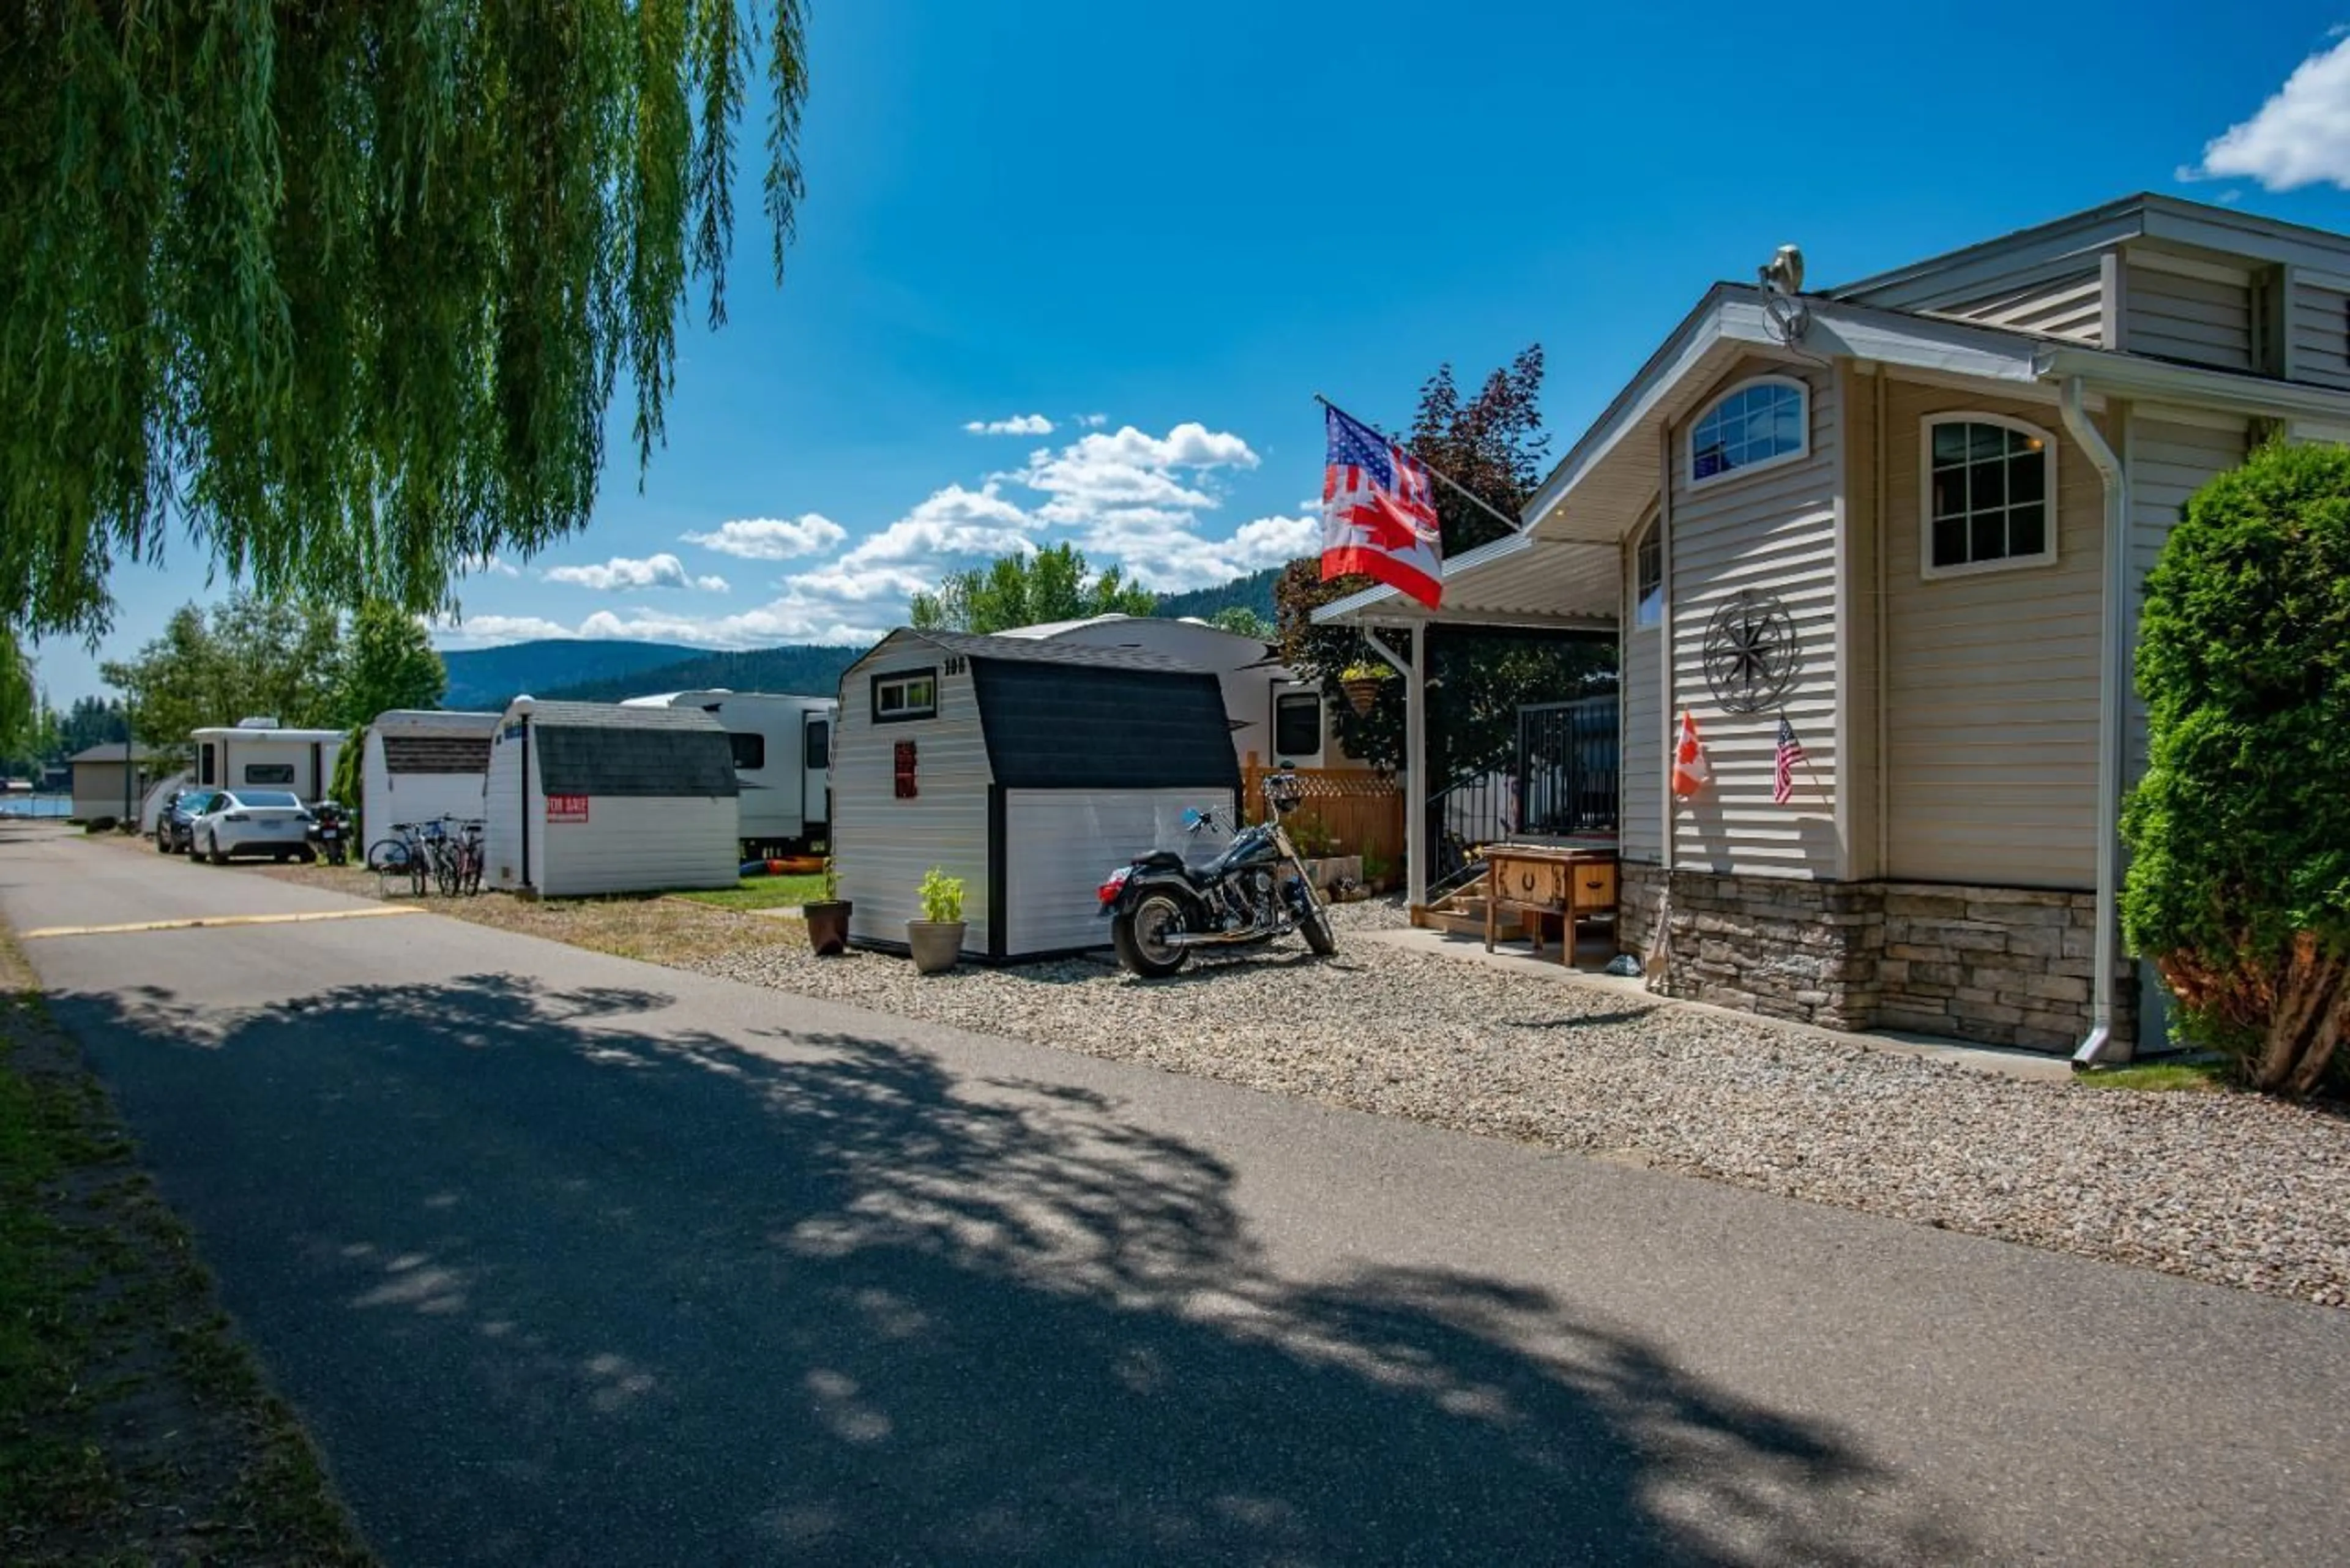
1991	681
1640	833
2195	319
1858	704
2319	325
2072	306
2168	461
1058	845
1773	532
882	844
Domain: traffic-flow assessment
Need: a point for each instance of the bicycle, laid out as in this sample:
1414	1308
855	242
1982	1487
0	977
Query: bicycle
403	854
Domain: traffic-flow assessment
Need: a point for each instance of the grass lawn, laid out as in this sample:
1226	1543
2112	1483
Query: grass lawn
762	893
133	1425
2171	1077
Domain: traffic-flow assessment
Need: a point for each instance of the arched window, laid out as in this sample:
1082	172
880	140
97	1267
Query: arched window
1753	425
1989	495
1648	578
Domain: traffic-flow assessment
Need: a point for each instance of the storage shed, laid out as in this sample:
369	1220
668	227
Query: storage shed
594	797
1028	768
421	764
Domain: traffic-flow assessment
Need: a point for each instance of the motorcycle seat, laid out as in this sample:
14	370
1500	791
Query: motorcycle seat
1159	860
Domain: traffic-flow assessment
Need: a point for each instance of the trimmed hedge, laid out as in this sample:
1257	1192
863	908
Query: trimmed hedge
2239	884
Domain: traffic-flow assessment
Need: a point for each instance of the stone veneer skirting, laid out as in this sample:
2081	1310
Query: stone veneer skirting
2003	966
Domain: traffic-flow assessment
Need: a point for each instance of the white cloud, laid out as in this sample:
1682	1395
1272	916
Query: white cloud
950	522
1093	421
488	630
2301	136
1100	473
620	574
772	538
487	566
1018	424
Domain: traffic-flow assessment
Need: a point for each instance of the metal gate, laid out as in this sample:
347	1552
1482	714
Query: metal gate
1569	766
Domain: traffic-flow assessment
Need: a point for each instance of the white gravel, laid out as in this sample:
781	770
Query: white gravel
2230	1189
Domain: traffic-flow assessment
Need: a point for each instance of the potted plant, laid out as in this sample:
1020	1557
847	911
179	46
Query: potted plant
936	939
827	917
1361	682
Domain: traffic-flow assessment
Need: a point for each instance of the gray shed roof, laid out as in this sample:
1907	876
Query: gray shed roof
605	749
112	751
433	721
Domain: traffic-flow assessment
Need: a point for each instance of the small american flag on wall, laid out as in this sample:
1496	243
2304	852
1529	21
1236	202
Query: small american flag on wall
1783	773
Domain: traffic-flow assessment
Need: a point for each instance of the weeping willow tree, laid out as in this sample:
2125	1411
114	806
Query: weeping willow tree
340	290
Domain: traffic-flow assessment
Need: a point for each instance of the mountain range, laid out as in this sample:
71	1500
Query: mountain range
577	669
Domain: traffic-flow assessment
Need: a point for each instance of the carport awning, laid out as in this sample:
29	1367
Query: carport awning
1523	581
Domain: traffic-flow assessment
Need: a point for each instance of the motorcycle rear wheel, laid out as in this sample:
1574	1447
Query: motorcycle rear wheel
1139	936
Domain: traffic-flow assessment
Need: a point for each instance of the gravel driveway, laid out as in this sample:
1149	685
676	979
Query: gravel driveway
2226	1187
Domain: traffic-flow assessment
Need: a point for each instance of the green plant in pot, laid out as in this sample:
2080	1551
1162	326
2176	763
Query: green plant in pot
936	939
827	917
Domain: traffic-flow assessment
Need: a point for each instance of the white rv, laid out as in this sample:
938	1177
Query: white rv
256	753
783	760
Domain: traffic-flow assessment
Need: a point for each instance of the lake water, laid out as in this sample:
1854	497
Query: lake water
37	806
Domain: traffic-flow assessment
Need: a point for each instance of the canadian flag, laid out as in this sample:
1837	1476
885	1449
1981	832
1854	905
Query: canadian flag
1690	770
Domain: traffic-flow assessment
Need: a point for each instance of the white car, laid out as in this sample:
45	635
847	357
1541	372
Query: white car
269	822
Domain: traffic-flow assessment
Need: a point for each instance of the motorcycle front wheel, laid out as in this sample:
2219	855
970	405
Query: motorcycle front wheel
1140	935
1314	925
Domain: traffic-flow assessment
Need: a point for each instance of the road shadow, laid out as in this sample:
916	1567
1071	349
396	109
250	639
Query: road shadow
558	1279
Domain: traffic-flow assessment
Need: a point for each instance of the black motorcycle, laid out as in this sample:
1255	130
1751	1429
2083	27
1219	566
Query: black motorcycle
1160	910
330	832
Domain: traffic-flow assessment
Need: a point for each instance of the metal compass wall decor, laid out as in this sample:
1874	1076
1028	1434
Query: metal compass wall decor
1750	652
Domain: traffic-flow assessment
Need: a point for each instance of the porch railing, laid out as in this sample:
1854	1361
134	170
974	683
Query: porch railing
1565	780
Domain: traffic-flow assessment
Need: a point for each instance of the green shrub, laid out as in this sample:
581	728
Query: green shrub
2239	834
941	896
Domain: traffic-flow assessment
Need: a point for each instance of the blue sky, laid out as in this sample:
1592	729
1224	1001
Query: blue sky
1160	230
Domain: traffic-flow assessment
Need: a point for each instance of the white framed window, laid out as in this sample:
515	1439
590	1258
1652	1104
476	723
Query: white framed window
1756	424
1648	578
1297	725
912	695
1987	494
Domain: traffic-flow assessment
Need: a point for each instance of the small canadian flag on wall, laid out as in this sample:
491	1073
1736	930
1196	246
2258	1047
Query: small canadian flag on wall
1690	770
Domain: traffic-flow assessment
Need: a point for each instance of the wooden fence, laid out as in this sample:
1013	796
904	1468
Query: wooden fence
1361	810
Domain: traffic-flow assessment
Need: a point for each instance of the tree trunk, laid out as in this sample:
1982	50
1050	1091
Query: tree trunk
2311	1014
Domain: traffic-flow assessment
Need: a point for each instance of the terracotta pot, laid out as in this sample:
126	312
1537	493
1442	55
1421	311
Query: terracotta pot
936	944
827	925
1362	691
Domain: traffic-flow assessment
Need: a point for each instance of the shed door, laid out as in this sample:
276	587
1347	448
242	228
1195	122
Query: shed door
1058	845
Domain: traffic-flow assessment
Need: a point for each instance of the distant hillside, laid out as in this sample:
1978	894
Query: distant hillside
480	679
808	670
1251	591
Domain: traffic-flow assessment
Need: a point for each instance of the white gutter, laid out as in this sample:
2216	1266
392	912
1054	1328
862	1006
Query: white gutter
2112	677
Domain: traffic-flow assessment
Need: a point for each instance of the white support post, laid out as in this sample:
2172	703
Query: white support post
1415	758
1415	742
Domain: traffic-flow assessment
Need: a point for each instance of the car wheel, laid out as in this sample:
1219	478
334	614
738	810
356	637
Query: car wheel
216	854
162	842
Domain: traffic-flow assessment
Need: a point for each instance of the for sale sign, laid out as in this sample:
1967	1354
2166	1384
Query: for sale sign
567	808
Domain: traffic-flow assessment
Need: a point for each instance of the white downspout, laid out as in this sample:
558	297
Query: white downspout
2113	676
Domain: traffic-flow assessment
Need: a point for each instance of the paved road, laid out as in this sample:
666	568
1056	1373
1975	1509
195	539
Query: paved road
568	1260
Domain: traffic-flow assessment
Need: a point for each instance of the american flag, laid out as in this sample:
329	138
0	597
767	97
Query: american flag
1378	512
1782	776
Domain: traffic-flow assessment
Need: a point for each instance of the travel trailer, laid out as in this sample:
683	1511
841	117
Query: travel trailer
783	757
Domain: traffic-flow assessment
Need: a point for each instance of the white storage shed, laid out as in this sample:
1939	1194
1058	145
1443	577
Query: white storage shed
594	797
255	754
1028	768
421	764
